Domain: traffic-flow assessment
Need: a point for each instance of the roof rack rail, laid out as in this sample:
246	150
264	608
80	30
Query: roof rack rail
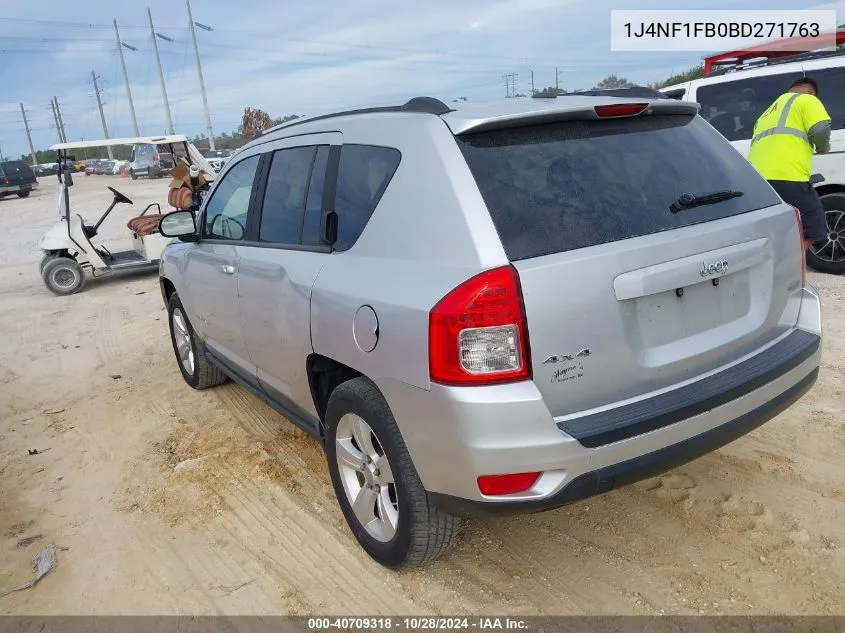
642	92
798	57
423	105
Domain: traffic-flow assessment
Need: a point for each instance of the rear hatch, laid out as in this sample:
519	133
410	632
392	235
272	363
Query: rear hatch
623	295
16	172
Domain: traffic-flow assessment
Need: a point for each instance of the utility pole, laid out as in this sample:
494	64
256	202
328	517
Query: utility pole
102	115
199	72
532	83
506	79
126	78
59	117
28	136
557	87
161	75
56	119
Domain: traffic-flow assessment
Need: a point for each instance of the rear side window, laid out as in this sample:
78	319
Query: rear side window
733	107
562	186
284	196
363	174
831	83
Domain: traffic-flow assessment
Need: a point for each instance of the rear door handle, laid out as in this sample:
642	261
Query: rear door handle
227	269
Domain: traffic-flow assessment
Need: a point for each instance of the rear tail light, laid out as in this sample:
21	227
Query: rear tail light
495	485
5	180
801	247
620	109
478	333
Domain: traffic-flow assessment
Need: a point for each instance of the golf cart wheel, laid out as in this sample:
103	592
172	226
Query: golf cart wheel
828	255
376	484
133	175
24	193
44	260
63	275
196	369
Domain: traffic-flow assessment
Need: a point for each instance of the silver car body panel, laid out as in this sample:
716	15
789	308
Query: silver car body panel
430	232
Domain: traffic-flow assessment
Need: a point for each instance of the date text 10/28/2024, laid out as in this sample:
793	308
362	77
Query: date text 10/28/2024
415	623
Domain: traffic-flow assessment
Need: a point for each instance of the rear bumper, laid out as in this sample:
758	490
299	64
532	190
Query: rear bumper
16	188
630	471
455	435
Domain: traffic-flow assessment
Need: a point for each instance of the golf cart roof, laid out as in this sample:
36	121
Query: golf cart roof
131	140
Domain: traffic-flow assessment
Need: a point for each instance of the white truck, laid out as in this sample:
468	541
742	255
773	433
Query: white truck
732	99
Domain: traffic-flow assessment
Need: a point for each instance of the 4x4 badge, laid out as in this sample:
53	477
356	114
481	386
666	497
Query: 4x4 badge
565	358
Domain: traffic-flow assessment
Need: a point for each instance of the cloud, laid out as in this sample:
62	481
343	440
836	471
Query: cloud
304	58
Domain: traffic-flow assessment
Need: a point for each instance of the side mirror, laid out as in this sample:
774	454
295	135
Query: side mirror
178	224
816	179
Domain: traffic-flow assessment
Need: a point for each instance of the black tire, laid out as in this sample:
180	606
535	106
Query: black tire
24	193
133	175
63	276
423	531
203	374
44	261
828	261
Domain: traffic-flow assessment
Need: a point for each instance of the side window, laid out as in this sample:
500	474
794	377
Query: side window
225	213
314	203
831	83
363	175
733	107
284	196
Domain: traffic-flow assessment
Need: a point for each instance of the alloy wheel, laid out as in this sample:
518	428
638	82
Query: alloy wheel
184	348
832	249
367	477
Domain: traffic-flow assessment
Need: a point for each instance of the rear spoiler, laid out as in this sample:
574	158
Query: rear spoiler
613	109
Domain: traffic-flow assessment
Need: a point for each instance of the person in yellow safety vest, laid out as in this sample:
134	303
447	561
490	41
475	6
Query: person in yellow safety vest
782	145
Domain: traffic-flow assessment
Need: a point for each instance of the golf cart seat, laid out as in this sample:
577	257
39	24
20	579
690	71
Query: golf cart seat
145	224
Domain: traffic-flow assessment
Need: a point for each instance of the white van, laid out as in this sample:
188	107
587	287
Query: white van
732	100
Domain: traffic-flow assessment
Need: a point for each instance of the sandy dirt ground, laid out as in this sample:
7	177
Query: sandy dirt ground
172	501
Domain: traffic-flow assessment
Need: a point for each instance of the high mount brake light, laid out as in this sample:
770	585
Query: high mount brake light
620	109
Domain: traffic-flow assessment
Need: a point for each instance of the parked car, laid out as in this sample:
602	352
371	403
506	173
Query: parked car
150	160
483	308
216	157
105	167
16	178
733	99
118	165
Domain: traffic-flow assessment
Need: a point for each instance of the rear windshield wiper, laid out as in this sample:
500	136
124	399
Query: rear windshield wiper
690	200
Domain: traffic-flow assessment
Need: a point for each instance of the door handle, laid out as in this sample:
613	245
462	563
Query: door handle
227	269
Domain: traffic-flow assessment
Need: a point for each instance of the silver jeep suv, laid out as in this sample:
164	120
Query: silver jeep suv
493	308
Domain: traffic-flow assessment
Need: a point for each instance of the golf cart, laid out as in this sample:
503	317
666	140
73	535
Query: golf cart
68	246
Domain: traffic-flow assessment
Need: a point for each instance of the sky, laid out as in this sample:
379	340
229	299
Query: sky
304	58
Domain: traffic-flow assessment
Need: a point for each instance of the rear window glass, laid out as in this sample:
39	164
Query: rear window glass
733	107
557	187
363	175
